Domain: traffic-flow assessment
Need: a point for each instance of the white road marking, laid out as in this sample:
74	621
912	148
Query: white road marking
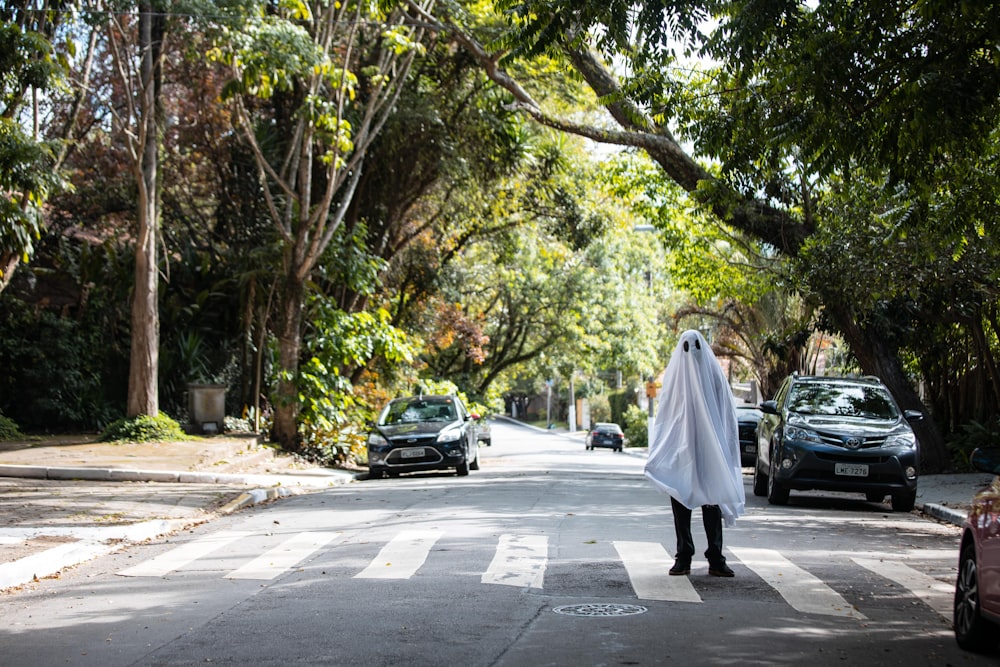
938	595
647	564
519	560
283	557
402	556
801	590
178	557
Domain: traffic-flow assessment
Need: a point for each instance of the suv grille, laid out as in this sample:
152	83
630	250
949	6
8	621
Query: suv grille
838	440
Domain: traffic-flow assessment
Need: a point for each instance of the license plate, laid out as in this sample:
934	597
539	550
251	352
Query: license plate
412	453
749	449
851	469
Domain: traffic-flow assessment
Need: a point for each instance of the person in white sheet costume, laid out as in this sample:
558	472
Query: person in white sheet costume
694	456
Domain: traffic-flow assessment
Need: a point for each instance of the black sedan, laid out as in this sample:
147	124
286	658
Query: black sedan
748	417
606	435
420	433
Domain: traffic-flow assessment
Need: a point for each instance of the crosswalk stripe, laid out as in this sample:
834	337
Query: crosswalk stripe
519	561
402	556
647	564
936	594
178	557
283	557
798	587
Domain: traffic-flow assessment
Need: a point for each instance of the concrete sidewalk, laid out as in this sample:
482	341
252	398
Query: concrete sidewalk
66	500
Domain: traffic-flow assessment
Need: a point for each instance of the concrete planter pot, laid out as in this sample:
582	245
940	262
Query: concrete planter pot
207	407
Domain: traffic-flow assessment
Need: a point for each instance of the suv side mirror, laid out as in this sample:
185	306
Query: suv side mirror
913	415
769	407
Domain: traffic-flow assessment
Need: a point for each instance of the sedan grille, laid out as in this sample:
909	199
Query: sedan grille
398	456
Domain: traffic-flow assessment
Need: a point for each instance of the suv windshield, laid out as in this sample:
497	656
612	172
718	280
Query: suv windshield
418	410
843	400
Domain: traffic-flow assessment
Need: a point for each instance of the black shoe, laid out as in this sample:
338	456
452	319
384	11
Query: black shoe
680	567
721	570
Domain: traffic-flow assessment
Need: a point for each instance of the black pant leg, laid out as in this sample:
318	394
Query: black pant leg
711	517
682	528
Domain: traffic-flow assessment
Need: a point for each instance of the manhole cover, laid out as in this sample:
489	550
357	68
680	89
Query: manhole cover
600	610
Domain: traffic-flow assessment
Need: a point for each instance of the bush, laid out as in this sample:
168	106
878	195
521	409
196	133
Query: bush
344	445
636	428
600	409
145	429
9	429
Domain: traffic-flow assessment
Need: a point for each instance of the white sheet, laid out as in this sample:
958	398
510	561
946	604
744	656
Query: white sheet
695	453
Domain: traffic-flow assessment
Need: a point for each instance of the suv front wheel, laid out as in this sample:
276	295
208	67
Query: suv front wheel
759	481
903	501
776	493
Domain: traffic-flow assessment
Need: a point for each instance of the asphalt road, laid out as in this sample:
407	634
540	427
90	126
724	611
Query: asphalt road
548	555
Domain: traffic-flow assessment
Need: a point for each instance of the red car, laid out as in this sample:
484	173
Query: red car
977	589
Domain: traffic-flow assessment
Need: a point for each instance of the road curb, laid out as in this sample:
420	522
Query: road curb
174	477
944	513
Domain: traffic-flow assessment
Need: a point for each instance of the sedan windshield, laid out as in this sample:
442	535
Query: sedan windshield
842	400
418	410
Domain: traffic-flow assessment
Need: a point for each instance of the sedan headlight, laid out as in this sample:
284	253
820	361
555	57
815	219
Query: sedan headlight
377	440
799	433
451	435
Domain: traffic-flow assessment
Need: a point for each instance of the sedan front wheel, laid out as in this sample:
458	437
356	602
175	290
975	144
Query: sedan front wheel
972	631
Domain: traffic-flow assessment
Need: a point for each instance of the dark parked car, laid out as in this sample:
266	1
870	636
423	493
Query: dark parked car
606	435
977	589
836	434
748	418
423	433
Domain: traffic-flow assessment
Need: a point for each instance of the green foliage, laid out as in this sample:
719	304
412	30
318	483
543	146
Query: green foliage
144	428
619	402
26	179
58	372
27	176
971	436
9	429
600	409
339	445
636	426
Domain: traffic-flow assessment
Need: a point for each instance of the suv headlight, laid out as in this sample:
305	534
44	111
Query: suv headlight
377	440
799	433
451	435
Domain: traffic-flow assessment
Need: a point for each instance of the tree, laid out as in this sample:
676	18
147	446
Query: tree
30	68
312	85
766	54
139	65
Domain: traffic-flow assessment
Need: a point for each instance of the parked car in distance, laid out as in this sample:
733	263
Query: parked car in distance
418	433
748	418
836	434
606	435
976	620
484	432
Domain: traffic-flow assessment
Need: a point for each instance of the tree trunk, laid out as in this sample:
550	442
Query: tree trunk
878	358
143	396
285	426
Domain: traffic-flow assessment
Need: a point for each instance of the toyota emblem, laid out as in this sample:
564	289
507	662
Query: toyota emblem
853	443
